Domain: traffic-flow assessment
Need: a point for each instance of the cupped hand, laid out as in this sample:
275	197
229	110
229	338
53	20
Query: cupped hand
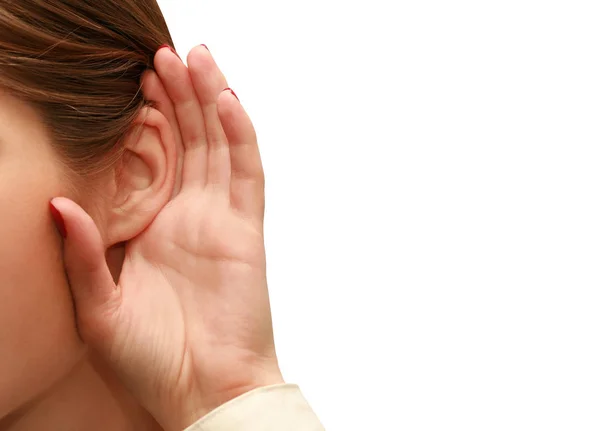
187	327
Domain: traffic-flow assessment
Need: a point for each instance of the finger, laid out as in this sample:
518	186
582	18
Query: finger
95	294
154	91
247	175
176	80
209	82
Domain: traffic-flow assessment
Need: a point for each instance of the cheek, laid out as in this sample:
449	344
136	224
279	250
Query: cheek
38	339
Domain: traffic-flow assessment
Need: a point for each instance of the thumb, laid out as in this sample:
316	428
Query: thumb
95	294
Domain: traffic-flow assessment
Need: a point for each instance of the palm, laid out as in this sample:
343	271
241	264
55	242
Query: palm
196	241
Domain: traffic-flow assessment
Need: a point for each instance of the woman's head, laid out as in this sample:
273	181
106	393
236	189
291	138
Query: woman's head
73	122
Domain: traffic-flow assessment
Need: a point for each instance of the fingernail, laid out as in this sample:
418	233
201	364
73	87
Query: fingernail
232	92
205	47
58	221
166	45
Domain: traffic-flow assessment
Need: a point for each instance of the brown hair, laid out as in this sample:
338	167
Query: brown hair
79	62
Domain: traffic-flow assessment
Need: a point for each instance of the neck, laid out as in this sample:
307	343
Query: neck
90	397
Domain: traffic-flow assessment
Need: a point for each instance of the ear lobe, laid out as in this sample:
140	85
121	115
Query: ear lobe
145	177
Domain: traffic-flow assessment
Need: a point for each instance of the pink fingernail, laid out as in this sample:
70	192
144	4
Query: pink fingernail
205	47
166	45
232	92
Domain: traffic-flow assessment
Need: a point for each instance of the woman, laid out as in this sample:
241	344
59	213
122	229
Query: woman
159	318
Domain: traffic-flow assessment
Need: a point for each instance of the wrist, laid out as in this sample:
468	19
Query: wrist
196	407
216	399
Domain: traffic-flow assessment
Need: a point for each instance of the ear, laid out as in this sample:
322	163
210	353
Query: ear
145	177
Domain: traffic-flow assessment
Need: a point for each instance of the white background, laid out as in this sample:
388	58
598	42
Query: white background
433	217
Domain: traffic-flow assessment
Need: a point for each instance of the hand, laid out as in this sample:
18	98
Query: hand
188	325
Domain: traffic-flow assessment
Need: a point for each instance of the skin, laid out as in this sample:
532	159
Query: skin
43	347
187	326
